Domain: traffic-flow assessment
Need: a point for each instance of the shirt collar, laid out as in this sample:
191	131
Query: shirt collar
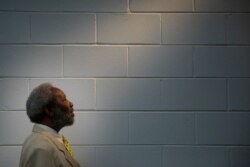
49	130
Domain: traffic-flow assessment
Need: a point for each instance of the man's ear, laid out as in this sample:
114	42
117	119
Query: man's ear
48	112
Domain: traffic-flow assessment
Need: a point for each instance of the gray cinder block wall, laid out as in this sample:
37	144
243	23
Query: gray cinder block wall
155	83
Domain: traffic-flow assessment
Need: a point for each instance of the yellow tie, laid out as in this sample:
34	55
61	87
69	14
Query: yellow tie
67	146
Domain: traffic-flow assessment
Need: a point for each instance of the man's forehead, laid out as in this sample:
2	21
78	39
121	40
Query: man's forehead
57	91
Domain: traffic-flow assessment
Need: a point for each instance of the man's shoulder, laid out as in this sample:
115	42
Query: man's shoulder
38	141
36	148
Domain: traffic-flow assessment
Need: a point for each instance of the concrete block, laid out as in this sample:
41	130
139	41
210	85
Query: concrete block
161	5
65	5
98	128
195	156
30	61
223	128
16	126
237	29
162	128
95	5
193	28
151	61
129	156
128	28
239	94
81	92
95	61
128	94
222	62
85	155
13	94
222	5
63	28
31	5
6	5
240	156
9	33
194	94
10	155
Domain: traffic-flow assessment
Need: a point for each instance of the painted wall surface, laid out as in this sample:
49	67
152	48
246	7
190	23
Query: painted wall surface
155	83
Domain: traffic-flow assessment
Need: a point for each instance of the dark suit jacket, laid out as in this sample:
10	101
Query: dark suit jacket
42	149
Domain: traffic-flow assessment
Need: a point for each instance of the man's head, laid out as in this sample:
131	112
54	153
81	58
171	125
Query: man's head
48	105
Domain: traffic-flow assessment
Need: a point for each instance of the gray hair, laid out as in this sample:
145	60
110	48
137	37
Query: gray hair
40	98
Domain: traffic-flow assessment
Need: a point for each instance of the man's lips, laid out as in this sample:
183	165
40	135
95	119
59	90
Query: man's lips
72	112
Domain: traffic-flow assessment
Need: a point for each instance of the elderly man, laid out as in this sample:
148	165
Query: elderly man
48	107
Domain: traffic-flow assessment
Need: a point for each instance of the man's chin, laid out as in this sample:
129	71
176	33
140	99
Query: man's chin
70	122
